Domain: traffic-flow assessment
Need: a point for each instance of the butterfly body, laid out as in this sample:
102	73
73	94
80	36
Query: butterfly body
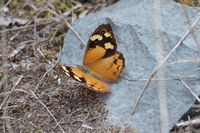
101	62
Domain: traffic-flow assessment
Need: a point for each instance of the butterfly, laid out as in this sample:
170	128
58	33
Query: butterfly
101	62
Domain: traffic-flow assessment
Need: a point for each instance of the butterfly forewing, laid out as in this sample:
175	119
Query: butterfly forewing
101	55
101	44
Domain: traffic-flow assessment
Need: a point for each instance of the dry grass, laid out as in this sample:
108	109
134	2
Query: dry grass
189	2
35	96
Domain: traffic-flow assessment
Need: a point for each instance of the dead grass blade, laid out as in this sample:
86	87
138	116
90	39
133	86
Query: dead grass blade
194	36
9	92
162	79
33	94
44	75
163	111
25	27
61	17
159	65
195	121
190	90
7	96
22	45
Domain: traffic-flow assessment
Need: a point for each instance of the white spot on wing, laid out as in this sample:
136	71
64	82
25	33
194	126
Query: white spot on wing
67	74
108	46
94	37
107	34
77	78
64	68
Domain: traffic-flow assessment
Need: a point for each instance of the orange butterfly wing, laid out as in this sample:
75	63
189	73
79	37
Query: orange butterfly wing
108	69
101	56
92	83
101	44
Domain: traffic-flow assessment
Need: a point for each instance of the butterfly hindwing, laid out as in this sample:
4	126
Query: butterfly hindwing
82	77
108	69
101	44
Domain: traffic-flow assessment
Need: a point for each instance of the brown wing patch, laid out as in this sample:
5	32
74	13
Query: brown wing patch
108	69
90	81
101	44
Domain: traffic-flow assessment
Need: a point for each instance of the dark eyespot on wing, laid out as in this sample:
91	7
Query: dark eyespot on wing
102	37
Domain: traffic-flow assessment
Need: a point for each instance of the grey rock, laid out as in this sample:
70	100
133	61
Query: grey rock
136	25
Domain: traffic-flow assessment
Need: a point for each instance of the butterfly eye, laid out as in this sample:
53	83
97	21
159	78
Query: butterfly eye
102	32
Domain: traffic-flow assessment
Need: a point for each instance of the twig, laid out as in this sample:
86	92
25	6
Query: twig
24	27
7	122
195	121
9	107
159	65
190	90
60	121
13	37
68	25
67	13
5	102
41	80
44	75
7	96
8	2
196	106
194	36
164	117
4	6
87	126
8	92
33	94
30	4
163	79
7	117
194	60
22	45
